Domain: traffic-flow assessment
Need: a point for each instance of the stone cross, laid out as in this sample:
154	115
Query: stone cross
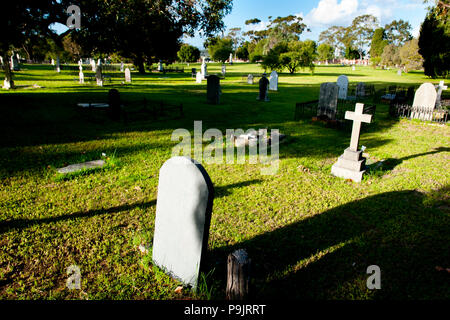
358	117
440	87
183	214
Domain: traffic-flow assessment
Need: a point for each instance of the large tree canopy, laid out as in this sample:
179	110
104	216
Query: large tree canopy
146	30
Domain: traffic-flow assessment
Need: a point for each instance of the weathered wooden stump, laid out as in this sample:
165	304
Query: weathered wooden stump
238	275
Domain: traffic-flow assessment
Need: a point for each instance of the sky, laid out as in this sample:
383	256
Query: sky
318	15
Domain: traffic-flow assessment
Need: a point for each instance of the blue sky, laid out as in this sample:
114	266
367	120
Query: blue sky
321	14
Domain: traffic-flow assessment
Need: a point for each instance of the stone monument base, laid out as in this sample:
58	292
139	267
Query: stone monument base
351	165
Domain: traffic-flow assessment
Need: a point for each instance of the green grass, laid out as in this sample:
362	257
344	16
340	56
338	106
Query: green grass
309	234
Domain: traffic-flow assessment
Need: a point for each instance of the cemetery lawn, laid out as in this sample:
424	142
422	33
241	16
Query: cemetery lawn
310	235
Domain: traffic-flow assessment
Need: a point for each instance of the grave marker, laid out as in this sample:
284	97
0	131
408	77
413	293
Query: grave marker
440	88
183	215
328	97
199	77
263	88
127	75
351	165
342	83
273	83
99	76
424	102
213	89
250	79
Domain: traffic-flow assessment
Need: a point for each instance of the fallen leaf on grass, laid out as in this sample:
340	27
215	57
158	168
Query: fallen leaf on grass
179	289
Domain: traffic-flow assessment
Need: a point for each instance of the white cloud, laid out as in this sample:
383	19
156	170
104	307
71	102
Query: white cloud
330	11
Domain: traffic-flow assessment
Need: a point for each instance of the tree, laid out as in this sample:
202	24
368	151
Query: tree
434	43
72	49
188	53
27	20
361	31
398	32
242	51
390	55
410	56
221	50
299	55
272	60
351	53
235	35
147	31
378	43
325	52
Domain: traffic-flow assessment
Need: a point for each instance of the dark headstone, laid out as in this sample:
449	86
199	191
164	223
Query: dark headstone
263	88
194	72
114	104
213	89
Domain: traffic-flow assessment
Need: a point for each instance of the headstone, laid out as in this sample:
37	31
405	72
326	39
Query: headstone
273	83
81	76
440	88
351	165
360	89
342	83
127	75
213	89
204	69
353	68
114	104
53	62
399	72
160	66
121	67
15	63
199	77
81	166
99	76
328	97
231	58
224	69
99	62
250	79
93	65
193	72
263	88
58	67
424	102
183	214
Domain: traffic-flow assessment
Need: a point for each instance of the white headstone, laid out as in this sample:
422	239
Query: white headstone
81	76
399	72
204	69
121	67
342	83
424	102
440	88
183	215
127	75
250	79
93	65
353	68
199	77
160	66
231	58
224	69
58	67
273	81
99	76
53	62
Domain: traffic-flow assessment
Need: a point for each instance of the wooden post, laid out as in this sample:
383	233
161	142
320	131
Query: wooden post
238	275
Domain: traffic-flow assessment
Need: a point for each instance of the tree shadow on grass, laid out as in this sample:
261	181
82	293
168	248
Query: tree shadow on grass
326	256
7	225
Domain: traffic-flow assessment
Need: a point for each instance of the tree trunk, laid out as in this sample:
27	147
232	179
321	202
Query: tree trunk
139	62
238	275
8	83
